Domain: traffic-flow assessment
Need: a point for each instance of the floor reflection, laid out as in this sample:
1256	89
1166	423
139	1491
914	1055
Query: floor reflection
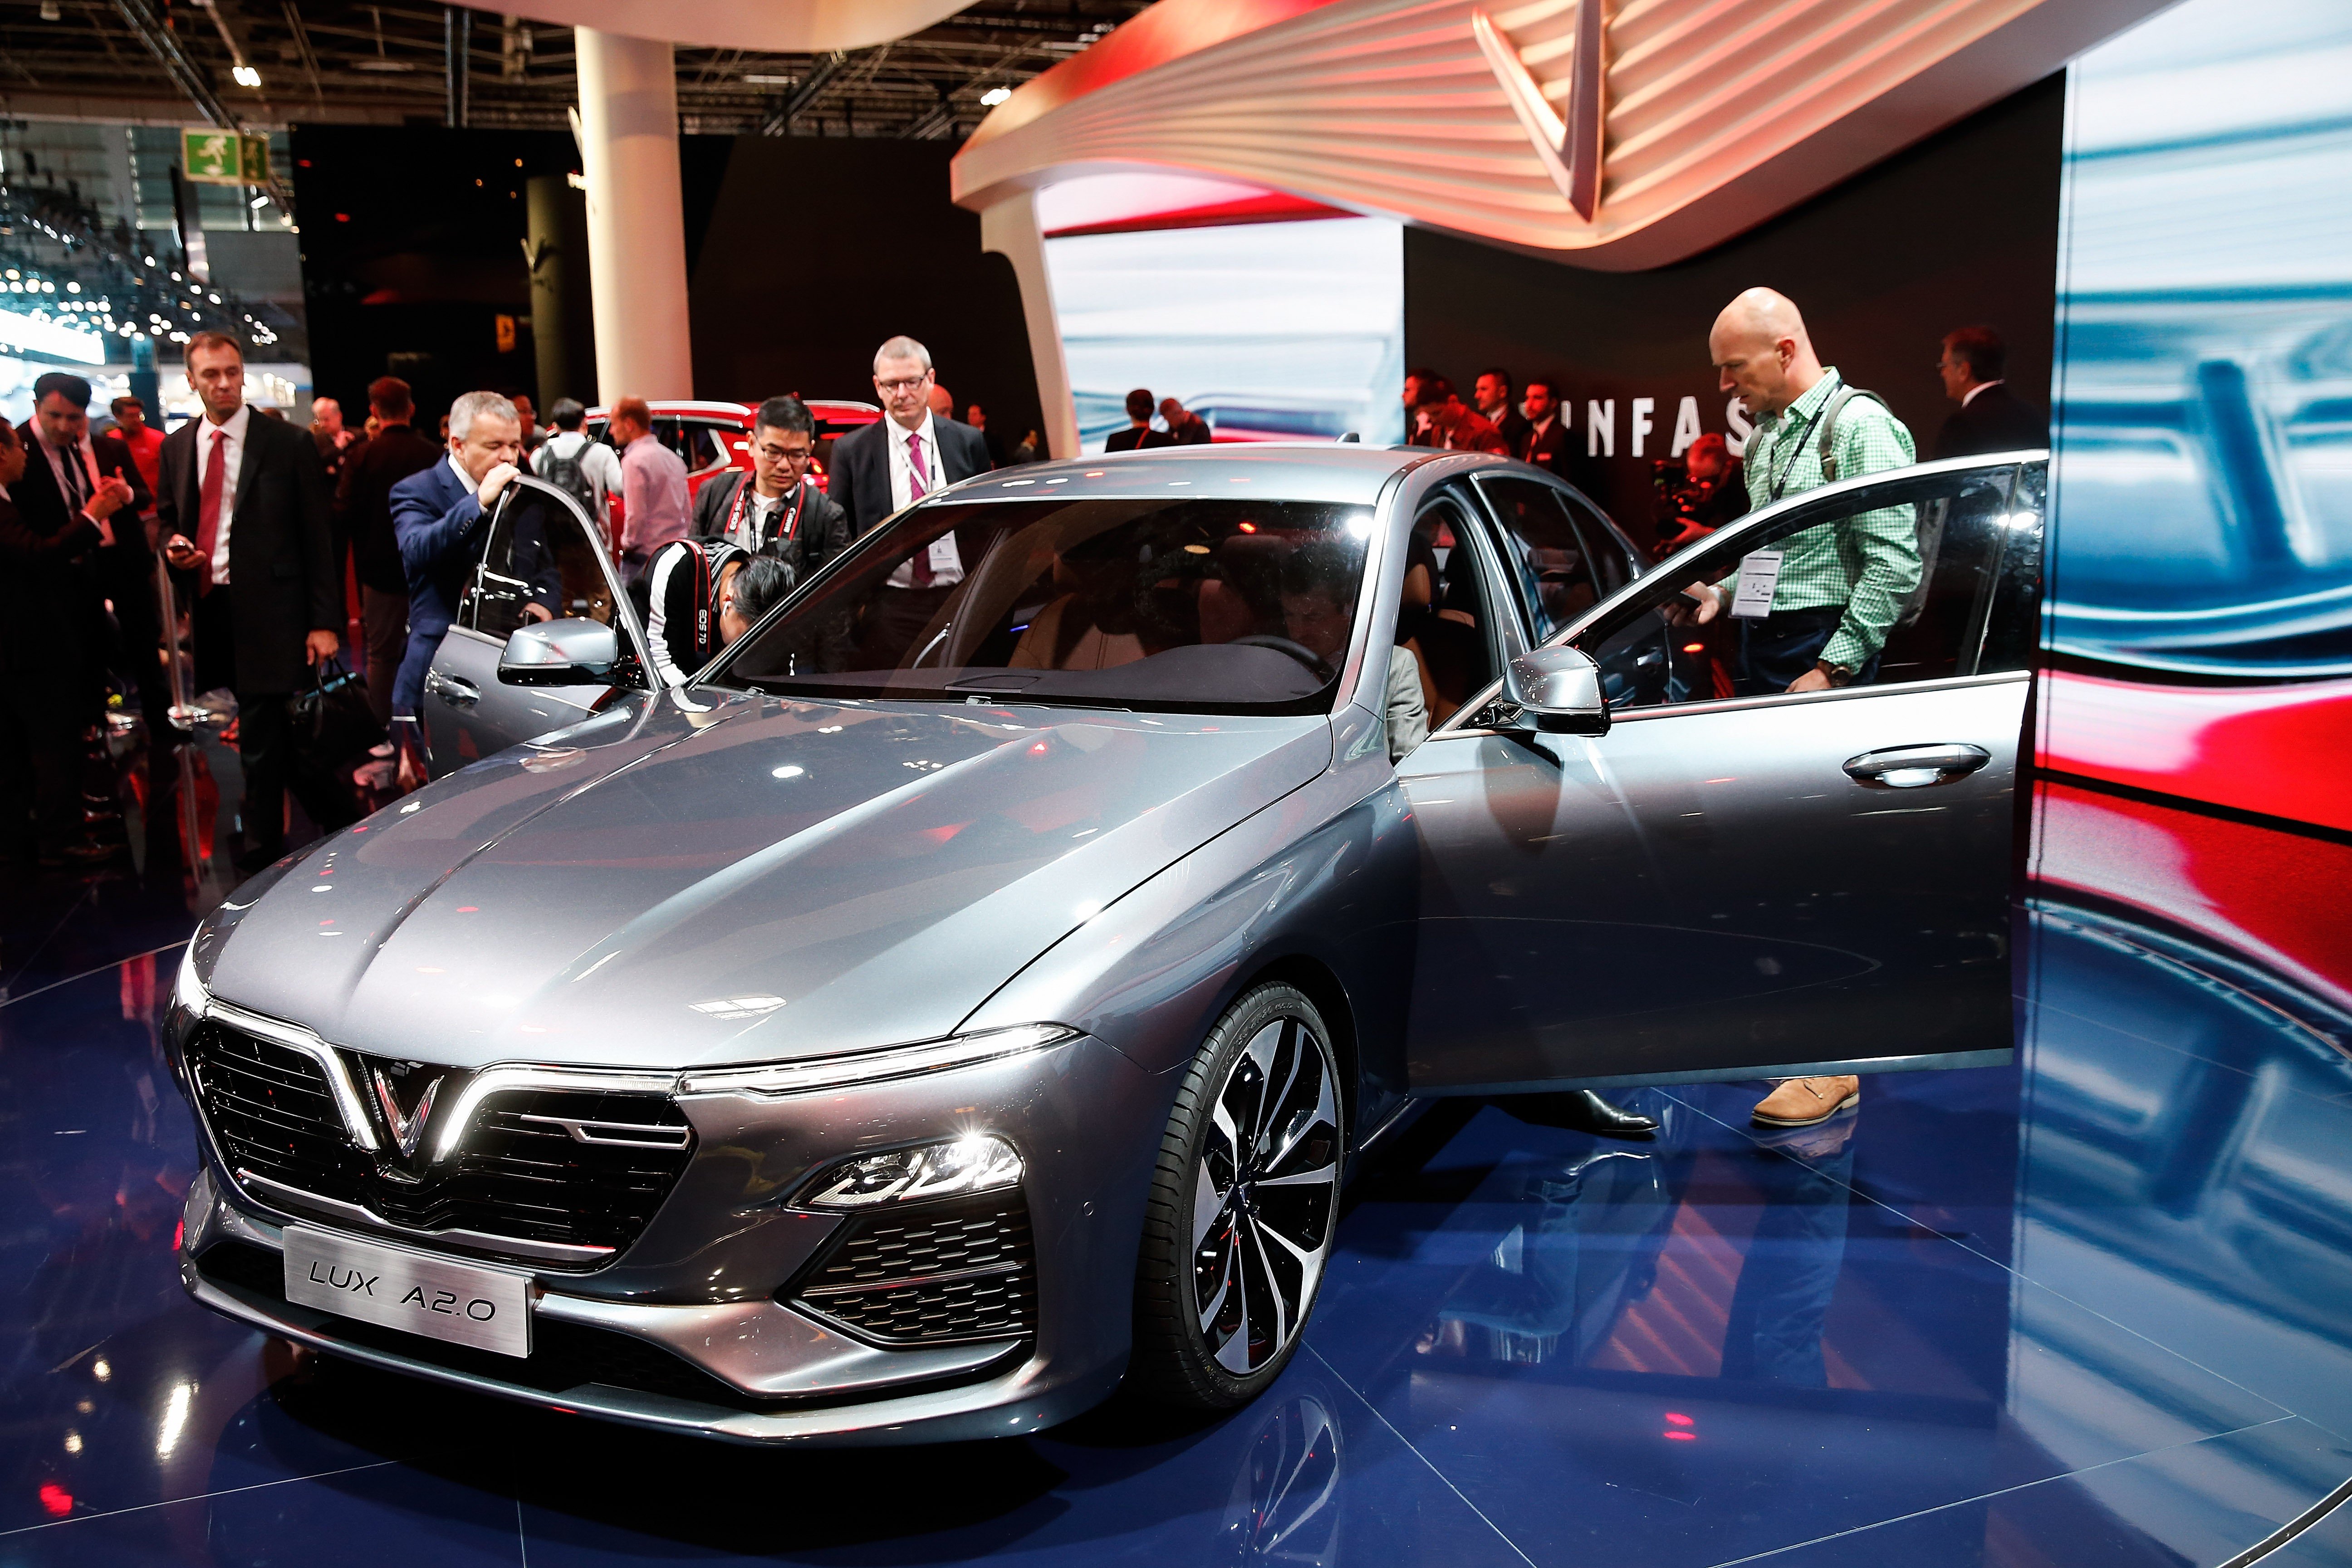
2084	1310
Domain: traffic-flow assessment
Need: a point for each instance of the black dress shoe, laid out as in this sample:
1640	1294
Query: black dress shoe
1614	1121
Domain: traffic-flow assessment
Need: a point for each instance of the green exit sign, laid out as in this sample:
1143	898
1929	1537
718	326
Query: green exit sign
225	157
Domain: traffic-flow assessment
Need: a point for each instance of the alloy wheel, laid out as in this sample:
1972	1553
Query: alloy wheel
1265	1195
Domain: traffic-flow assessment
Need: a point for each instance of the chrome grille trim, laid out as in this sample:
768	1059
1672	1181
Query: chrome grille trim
264	1189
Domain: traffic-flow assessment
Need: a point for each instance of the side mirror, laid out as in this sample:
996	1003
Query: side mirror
1559	689
560	653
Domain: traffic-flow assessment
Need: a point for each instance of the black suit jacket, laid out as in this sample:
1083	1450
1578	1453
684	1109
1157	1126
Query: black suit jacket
1515	427
822	534
1136	439
123	571
49	612
1547	449
1993	421
282	578
860	479
363	502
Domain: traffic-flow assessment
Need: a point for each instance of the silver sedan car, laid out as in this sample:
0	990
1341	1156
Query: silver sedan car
974	987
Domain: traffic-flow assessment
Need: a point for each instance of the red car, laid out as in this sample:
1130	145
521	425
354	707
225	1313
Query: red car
714	438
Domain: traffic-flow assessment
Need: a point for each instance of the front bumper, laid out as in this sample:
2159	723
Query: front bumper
687	1329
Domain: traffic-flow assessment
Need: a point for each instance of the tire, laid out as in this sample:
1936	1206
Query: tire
1243	1206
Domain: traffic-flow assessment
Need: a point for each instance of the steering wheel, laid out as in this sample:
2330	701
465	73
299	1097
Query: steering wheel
1313	661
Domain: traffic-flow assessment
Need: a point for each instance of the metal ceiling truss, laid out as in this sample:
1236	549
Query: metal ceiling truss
327	61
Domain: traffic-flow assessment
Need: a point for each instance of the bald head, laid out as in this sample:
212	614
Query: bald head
1761	351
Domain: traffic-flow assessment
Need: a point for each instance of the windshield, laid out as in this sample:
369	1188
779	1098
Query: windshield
1203	604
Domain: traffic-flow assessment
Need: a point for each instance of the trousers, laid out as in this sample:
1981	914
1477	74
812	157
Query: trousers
1781	646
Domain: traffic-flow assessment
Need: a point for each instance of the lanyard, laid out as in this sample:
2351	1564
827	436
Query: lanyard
1796	445
790	522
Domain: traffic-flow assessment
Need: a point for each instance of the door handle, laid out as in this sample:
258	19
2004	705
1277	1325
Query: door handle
1908	767
450	689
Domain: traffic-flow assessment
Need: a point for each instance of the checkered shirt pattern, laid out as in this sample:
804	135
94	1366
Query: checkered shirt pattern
1868	563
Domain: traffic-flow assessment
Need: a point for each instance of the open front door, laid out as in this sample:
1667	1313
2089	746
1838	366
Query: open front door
1752	886
540	561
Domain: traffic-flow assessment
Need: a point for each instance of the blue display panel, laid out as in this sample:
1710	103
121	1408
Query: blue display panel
2202	575
2205	312
1268	331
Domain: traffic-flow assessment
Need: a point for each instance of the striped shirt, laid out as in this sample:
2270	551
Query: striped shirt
1866	563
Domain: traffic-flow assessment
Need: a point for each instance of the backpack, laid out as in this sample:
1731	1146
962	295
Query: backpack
569	475
1838	400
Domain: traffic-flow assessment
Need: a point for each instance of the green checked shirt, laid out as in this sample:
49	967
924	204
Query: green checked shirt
1868	563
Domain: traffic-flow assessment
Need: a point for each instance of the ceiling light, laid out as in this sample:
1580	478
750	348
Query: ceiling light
995	95
753	79
246	76
258	202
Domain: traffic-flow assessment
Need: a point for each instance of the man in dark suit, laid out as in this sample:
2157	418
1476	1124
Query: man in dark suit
1138	433
1546	442
364	510
247	524
1991	418
899	458
1492	394
437	514
893	463
70	474
46	626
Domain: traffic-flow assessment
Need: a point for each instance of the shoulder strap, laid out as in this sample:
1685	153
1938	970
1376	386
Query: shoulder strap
1836	405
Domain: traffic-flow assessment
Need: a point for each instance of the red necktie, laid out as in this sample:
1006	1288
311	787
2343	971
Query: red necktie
208	500
919	570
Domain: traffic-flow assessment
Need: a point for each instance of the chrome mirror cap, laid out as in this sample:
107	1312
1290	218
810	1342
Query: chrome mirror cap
560	653
1560	689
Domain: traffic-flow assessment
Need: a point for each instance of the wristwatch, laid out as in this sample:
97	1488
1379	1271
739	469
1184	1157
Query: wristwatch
1838	674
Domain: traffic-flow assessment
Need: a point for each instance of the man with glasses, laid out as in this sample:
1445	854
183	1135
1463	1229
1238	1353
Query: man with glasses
897	461
777	510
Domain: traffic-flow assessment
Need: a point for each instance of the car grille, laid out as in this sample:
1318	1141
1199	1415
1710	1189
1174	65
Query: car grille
563	1356
520	1174
932	1273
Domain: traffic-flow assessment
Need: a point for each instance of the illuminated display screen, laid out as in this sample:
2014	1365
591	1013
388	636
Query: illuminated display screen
2201	588
1268	330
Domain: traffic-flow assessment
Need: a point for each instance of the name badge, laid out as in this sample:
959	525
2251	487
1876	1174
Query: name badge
1759	573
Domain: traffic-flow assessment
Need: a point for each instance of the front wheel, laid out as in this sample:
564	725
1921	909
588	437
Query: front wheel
1243	1206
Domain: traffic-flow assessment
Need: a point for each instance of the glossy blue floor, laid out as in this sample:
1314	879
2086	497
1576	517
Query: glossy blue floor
2089	1310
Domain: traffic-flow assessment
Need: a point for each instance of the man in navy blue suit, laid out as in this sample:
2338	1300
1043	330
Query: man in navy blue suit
437	515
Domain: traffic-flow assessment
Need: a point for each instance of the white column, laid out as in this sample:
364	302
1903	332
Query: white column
1009	226
636	217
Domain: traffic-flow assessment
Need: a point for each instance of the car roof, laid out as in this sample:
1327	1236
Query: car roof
1277	470
833	408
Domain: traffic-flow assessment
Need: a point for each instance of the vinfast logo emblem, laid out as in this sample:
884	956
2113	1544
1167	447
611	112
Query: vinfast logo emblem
1570	148
407	1129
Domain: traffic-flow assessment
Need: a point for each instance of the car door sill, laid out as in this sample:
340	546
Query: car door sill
1933	1061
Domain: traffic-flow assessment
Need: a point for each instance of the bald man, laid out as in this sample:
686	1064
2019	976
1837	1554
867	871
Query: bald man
1841	582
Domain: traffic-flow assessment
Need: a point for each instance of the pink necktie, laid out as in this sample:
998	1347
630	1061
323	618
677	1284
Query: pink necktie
919	570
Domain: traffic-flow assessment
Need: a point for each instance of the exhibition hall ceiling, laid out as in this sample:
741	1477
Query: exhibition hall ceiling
1617	135
908	69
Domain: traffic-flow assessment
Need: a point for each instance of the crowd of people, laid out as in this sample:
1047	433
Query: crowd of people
254	519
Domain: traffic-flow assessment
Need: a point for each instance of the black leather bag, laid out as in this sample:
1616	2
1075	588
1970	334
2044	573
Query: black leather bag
332	722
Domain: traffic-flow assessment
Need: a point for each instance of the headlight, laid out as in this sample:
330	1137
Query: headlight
974	1164
187	990
774	1079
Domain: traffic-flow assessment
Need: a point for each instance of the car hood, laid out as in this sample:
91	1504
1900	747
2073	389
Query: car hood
703	880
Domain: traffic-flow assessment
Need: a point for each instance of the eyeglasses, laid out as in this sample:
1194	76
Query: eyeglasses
904	383
784	454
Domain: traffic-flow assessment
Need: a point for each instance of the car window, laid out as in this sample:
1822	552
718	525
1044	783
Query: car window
1931	576
1443	616
1544	551
537	553
1197	603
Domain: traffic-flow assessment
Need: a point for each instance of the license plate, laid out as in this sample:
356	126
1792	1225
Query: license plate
465	1303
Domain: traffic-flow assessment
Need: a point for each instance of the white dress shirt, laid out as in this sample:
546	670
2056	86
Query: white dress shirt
947	564
1970	395
233	456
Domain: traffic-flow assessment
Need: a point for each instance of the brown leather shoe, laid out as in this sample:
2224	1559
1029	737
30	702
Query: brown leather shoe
1803	1102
